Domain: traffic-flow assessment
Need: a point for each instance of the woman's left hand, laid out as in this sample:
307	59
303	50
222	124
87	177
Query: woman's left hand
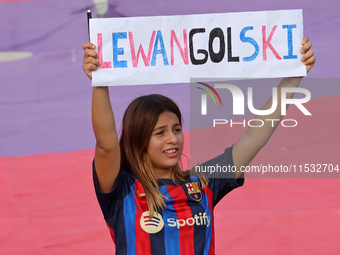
308	58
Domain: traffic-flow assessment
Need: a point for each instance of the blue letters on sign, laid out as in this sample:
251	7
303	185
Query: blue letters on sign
290	42
118	51
250	40
159	38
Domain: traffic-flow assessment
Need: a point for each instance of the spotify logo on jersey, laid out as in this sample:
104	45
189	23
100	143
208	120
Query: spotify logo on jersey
153	225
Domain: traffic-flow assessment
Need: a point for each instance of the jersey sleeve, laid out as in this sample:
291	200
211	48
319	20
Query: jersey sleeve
112	201
220	172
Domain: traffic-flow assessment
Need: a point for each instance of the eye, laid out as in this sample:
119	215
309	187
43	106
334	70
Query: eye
160	132
178	129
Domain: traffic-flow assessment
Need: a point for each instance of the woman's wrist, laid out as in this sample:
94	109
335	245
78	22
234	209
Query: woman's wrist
293	80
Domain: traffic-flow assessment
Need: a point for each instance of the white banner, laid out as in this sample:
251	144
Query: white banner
174	49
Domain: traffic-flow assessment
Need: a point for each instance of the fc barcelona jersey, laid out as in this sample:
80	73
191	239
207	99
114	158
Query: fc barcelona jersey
185	226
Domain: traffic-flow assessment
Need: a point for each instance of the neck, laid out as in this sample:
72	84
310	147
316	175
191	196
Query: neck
163	174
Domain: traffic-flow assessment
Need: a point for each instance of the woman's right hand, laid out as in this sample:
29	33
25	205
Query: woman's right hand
90	61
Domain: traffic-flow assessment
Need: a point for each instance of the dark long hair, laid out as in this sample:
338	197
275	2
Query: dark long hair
139	120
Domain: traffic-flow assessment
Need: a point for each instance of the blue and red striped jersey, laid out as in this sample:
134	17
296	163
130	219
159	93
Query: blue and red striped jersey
185	226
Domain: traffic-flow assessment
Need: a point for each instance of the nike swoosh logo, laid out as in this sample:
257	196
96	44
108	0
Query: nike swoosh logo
140	195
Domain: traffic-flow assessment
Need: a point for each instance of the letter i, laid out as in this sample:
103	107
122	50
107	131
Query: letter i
290	41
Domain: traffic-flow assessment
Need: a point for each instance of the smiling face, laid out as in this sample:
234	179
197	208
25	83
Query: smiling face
166	144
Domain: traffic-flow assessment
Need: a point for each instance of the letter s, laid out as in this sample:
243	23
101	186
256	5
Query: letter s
172	222
249	40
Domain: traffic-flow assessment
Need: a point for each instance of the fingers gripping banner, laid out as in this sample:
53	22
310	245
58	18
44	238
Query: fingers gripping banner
173	49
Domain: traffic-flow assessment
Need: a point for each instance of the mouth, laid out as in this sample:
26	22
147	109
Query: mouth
171	152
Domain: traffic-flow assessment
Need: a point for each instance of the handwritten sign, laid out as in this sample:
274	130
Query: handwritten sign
174	49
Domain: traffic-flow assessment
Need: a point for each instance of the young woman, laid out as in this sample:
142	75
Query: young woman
149	204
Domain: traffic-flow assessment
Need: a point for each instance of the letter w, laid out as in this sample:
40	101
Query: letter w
140	50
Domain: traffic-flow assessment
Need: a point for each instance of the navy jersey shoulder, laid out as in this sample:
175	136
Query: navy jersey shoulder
112	201
220	172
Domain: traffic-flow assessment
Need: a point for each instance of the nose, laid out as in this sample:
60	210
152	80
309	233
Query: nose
172	138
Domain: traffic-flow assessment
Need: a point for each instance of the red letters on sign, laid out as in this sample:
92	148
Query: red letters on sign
100	53
266	43
140	50
184	53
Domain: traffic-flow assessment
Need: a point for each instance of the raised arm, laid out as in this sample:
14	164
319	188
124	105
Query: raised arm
107	152
246	148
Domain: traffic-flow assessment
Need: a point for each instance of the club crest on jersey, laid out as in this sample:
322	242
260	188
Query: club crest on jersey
194	191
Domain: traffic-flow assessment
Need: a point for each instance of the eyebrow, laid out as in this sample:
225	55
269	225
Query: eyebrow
161	127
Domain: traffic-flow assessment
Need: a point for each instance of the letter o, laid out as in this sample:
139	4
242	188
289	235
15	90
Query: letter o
289	120
188	221
262	123
216	33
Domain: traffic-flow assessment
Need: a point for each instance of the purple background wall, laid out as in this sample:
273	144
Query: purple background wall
45	99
